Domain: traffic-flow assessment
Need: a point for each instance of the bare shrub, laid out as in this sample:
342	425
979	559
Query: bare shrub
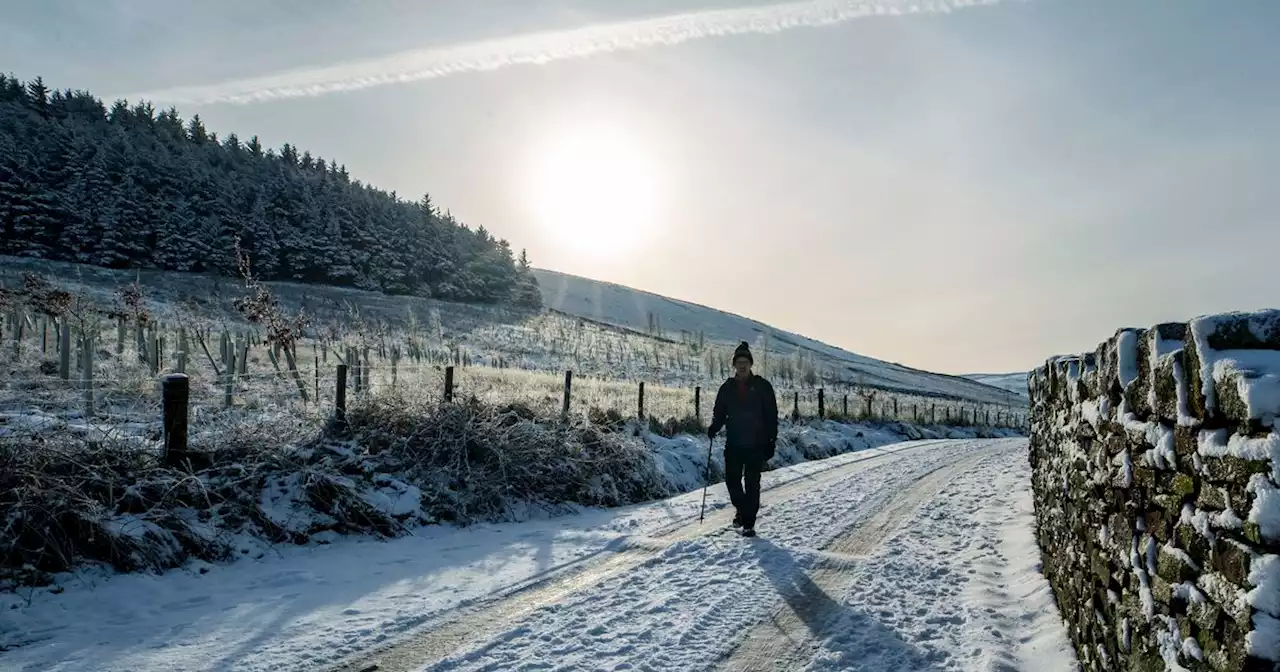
472	460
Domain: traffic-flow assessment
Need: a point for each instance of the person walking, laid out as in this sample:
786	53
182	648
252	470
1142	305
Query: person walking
747	407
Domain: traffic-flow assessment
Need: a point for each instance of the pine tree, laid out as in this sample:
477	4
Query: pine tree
130	187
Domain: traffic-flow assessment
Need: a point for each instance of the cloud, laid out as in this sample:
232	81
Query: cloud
545	47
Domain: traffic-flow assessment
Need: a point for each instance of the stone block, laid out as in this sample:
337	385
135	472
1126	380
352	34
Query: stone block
1136	395
1173	567
1231	559
1194	544
1231	469
1184	486
1207	338
1229	598
1212	497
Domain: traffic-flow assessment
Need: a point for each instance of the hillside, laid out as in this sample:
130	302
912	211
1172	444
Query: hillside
621	306
1014	382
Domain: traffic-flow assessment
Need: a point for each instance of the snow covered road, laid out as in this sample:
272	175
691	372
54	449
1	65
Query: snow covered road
918	561
913	556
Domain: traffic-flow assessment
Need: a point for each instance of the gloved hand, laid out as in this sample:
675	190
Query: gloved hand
771	450
711	433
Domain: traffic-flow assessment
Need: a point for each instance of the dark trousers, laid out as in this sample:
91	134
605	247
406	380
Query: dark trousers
743	467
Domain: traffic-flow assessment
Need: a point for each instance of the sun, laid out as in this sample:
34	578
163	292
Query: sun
594	189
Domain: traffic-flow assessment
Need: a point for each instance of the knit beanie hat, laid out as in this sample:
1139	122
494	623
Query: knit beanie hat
743	351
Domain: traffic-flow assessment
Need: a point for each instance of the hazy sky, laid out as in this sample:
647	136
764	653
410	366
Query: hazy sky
971	190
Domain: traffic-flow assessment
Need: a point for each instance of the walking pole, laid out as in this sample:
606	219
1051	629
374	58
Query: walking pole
710	443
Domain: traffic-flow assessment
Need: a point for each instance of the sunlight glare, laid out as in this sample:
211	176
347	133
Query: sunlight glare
594	189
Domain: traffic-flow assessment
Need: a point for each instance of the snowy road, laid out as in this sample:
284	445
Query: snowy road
917	561
912	556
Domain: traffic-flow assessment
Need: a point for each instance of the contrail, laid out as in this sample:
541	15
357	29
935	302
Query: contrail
545	47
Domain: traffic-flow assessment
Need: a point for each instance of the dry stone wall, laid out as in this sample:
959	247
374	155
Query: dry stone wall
1156	460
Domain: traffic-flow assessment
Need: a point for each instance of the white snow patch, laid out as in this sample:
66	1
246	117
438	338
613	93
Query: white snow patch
1266	506
1185	419
1256	372
1181	555
1257	378
1264	574
394	497
1198	520
1191	649
1187	591
1162	438
1089	411
1264	640
1124	472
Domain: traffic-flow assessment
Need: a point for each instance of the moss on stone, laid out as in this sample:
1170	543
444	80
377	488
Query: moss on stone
1195	394
1231	469
1172	568
1184	486
1253	532
1211	498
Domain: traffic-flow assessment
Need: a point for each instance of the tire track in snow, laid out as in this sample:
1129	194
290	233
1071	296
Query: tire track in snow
955	589
687	607
497	618
787	640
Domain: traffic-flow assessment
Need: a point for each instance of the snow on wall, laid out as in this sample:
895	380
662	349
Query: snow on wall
1156	464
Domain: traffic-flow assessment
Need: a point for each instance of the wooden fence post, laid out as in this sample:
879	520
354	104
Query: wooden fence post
64	349
229	367
568	392
448	384
640	411
340	395
895	408
177	392
44	336
17	333
795	406
933	414
86	345
697	403
845	406
822	404
317	377
354	368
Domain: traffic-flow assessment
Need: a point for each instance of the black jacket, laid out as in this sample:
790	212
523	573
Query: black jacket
752	420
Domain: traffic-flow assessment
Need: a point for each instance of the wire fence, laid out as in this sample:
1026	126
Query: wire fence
107	387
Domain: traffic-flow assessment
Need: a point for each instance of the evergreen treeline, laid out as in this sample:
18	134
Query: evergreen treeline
130	187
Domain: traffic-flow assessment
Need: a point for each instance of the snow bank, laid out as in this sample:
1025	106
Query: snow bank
1156	483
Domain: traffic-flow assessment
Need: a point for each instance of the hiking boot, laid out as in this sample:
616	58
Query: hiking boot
748	531
737	520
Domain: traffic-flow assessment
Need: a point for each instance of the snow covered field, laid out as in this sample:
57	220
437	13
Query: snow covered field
614	304
1013	382
916	555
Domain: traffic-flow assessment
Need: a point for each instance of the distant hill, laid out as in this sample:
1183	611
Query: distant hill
646	312
1014	382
